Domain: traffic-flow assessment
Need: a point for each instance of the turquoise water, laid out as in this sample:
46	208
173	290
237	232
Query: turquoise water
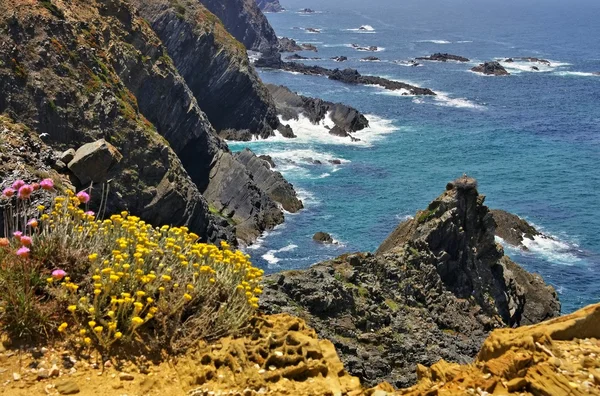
531	139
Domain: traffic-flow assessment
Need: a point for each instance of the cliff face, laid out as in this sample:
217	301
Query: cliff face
79	72
214	65
269	5
244	20
434	290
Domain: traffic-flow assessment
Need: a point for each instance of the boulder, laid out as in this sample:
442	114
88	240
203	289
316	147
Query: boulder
370	59
323	237
268	159
491	69
288	45
93	161
67	156
286	131
68	387
310	47
439	57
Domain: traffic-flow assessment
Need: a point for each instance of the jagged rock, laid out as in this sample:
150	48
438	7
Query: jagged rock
370	59
491	68
323	237
268	159
307	11
291	105
313	30
93	161
310	47
244	20
512	228
340	58
67	156
270	5
434	290
288	45
286	131
271	182
295	57
227	90
351	76
535	68
439	57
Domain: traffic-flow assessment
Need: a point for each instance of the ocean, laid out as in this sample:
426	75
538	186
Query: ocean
532	139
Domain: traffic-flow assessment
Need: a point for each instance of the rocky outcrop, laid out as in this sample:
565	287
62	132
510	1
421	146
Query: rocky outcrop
529	59
371	48
269	5
244	20
310	47
491	69
439	57
370	59
434	290
215	67
323	237
271	182
513	229
288	45
340	58
291	105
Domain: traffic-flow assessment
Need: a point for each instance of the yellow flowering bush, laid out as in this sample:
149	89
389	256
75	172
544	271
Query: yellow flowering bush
126	281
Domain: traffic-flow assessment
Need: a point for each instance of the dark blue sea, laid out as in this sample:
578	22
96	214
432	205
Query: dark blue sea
532	139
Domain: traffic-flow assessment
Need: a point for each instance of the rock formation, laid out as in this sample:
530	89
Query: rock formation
340	58
491	69
288	45
291	105
439	57
512	228
244	20
269	5
436	287
323	237
370	59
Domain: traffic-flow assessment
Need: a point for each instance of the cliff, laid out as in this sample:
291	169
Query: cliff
214	65
269	5
434	290
96	70
244	20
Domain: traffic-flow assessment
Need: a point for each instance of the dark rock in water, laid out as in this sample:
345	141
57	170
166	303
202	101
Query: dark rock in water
371	59
337	131
268	159
307	11
296	57
269	5
271	60
434	290
244	21
286	131
371	48
310	47
335	162
439	57
351	76
596	73
288	45
509	60
313	30
491	69
323	237
535	68
291	105
513	229
340	58
411	62
271	182
536	60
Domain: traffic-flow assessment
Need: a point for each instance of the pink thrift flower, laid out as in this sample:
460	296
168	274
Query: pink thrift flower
25	191
18	184
26	241
23	252
83	197
47	184
58	274
8	192
4	242
33	223
18	235
35	186
89	213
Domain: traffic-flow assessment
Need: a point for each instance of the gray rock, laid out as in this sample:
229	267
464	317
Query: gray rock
513	229
269	5
323	237
93	161
491	69
288	45
67	156
439	57
67	388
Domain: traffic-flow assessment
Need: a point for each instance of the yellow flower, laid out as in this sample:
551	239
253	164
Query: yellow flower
98	329
187	297
82	332
62	327
97	291
136	321
72	308
166	278
87	340
149	300
212	280
93	257
92	323
118	335
140	293
41	208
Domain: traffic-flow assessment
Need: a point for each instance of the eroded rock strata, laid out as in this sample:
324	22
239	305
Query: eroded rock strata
434	290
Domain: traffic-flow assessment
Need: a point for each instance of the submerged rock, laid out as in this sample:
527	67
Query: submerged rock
340	58
491	68
371	59
434	290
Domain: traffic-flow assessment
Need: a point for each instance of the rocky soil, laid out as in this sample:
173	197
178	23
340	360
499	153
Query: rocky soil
434	290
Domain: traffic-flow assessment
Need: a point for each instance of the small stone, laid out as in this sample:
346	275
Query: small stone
67	388
54	371
44	350
261	371
67	156
516	384
278	353
555	362
43	374
117	386
108	364
16	376
379	392
272	368
126	377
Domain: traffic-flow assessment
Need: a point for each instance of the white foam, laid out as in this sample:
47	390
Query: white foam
552	249
520	66
443	99
576	74
464	41
364	48
272	259
435	41
363	29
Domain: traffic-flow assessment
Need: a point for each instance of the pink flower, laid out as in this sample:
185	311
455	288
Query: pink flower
23	252
35	186
18	235
25	191
25	240
18	184
33	223
8	192
47	184
4	242
58	274
89	213
83	197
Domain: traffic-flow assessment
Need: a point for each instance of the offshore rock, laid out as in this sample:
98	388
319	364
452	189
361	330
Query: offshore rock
244	20
288	45
439	57
434	290
512	228
323	237
491	69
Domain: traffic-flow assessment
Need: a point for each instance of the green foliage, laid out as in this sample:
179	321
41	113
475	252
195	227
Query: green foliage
393	305
425	216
